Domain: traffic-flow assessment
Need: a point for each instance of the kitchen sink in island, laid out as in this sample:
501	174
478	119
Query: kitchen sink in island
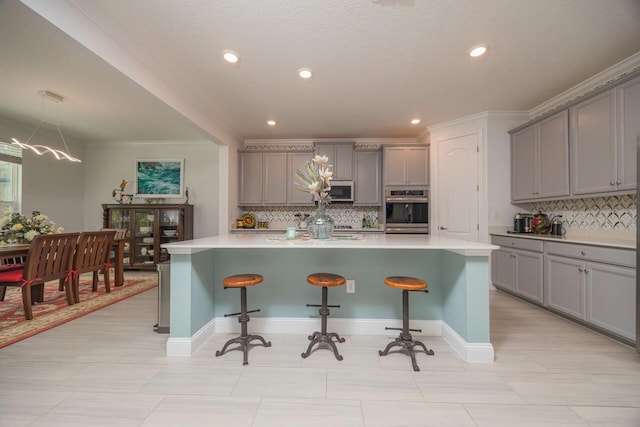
456	307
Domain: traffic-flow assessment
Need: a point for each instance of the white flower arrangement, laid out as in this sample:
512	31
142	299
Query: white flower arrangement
16	227
317	180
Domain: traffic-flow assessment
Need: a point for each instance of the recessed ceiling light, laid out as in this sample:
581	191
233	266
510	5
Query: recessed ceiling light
478	50
305	73
230	56
271	122
415	121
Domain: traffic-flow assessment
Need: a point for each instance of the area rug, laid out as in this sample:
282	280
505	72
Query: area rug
54	311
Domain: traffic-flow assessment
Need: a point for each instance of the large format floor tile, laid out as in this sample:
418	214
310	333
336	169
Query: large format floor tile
110	369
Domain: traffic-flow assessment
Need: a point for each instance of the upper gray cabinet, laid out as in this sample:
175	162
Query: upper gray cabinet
540	160
368	179
340	157
263	179
407	165
297	161
593	145
628	126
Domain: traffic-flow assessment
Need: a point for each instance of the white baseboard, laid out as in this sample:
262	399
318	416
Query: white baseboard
470	352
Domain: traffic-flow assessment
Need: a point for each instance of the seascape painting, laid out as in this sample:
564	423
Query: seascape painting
160	178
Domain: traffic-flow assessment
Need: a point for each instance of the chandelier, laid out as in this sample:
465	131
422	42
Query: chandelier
43	149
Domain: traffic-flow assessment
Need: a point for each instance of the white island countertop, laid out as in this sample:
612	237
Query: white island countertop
355	241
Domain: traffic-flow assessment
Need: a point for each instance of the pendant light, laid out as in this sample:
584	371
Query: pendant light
43	149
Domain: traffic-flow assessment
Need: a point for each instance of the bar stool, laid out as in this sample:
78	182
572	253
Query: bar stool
405	339
242	281
325	280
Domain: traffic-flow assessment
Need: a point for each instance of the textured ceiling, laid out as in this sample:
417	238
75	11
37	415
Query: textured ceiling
377	63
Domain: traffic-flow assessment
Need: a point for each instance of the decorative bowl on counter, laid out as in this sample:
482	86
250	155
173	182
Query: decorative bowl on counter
170	233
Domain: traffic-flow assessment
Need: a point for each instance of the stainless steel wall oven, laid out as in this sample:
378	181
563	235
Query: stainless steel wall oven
407	211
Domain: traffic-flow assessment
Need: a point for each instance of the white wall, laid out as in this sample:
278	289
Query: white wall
108	164
54	187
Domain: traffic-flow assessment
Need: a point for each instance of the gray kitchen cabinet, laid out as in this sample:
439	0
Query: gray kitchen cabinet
297	161
406	165
540	160
594	284
368	178
593	145
517	266
340	157
263	179
628	122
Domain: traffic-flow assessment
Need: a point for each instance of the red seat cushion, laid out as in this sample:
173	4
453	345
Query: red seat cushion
11	276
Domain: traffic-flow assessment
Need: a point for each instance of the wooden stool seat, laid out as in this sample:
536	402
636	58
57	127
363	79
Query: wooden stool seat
325	279
406	283
405	339
240	280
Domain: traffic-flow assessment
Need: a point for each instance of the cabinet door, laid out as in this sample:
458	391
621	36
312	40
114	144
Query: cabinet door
553	155
275	179
417	165
564	285
251	176
529	275
368	182
611	298
145	236
523	165
593	159
297	161
503	269
343	162
394	166
628	114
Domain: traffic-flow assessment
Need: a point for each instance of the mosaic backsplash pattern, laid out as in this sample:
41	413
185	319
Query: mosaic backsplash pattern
342	215
612	213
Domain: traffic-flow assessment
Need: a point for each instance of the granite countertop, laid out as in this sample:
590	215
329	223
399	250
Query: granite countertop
606	238
355	241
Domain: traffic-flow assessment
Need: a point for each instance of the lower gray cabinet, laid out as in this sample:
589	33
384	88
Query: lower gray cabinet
517	267
565	284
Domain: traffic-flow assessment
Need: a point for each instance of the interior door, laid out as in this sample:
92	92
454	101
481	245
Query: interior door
457	202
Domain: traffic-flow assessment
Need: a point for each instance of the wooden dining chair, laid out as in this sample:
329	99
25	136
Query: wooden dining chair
49	258
92	255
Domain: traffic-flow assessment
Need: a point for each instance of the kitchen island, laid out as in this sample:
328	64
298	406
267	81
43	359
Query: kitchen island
456	307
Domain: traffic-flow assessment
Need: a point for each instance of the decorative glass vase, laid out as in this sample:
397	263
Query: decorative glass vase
320	223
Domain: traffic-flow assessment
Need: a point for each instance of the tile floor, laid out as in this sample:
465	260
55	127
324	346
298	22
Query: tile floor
109	369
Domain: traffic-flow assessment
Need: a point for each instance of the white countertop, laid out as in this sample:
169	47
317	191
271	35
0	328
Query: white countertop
607	238
354	241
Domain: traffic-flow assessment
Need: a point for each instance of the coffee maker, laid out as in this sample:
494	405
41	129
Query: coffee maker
522	223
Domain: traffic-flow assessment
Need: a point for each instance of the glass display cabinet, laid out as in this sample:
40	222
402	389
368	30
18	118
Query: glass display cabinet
148	227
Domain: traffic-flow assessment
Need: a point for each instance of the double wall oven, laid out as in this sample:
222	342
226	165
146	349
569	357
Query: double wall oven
407	211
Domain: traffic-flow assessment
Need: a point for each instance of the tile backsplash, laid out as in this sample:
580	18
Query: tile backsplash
285	215
611	213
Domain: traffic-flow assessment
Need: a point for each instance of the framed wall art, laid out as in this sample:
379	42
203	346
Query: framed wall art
159	178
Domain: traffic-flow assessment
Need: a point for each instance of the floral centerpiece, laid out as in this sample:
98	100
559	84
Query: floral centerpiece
317	181
17	228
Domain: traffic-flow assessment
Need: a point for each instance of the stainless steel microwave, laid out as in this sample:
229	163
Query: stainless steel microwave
341	191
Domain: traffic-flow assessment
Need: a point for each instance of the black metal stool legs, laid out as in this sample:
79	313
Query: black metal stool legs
244	339
323	336
405	340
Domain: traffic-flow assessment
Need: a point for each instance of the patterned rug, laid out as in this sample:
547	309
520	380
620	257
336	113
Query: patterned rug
54	311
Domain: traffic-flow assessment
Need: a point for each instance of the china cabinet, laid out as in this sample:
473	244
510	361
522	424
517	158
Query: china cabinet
149	226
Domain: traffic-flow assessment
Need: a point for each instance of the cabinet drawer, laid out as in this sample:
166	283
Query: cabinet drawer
517	243
593	253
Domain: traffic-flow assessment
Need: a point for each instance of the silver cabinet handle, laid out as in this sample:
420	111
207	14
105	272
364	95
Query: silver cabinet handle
586	271
618	182
583	253
612	183
580	269
442	227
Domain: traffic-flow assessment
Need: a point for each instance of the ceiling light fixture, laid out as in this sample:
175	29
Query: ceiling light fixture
271	122
415	121
478	50
305	73
230	56
43	149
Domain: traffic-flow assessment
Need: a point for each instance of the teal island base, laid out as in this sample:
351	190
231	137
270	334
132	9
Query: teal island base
456	306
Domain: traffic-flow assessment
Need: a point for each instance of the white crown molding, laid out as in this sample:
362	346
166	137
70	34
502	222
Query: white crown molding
307	144
485	115
611	74
133	143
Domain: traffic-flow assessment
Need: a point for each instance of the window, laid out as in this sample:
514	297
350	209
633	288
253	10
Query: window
10	177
